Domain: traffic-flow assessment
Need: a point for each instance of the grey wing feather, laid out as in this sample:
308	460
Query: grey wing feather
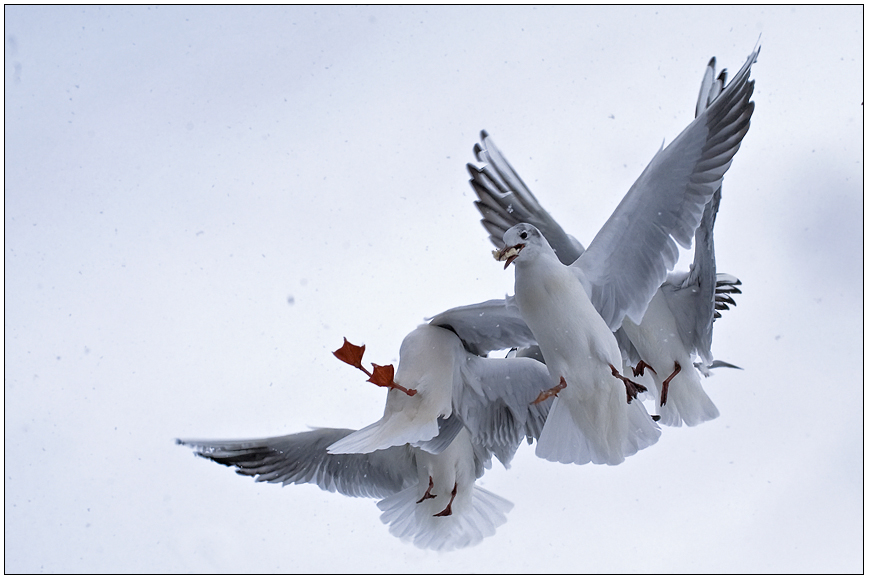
710	87
505	200
631	255
725	285
694	298
486	326
706	370
716	364
495	399
302	458
627	348
703	99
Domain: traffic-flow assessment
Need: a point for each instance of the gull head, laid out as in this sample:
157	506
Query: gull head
515	240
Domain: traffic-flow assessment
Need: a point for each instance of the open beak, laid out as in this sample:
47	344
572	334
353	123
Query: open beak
507	254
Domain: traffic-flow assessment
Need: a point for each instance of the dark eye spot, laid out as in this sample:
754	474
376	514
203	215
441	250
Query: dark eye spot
524	235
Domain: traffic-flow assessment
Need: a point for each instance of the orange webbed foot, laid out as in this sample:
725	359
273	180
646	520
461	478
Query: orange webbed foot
553	392
383	376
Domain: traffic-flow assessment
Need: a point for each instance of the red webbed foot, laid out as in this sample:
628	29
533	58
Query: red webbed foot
382	376
427	494
553	392
641	367
632	389
448	511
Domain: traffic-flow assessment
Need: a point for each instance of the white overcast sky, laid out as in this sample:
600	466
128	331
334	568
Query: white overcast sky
201	202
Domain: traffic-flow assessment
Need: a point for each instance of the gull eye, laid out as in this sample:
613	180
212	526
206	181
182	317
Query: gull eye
524	235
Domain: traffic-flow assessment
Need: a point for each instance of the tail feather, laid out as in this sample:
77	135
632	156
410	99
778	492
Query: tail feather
561	441
468	525
642	430
577	432
687	401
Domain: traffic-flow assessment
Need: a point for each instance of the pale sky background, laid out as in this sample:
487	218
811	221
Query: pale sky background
201	202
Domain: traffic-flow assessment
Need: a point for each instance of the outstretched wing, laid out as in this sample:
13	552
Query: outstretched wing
302	458
505	200
629	258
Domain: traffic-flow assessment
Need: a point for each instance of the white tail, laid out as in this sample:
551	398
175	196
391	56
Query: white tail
577	433
470	522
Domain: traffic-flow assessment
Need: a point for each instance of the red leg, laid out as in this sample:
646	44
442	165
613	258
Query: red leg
631	388
448	511
666	384
553	392
428	494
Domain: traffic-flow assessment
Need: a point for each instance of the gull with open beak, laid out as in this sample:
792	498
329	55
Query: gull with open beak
573	310
592	418
677	325
507	254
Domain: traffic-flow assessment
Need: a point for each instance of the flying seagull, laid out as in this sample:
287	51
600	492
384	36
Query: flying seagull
573	310
684	306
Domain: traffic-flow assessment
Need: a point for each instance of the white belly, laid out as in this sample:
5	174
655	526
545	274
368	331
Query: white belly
572	335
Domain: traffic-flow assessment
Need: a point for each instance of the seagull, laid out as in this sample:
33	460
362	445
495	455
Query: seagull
429	500
574	310
677	324
424	457
591	418
465	408
678	321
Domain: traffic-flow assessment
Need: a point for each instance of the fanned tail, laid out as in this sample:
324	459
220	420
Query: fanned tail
467	526
687	401
562	442
574	433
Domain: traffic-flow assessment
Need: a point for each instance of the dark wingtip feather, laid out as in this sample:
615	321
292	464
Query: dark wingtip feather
725	298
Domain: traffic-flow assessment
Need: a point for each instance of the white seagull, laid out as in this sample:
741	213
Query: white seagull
424	457
573	310
591	418
677	324
464	409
